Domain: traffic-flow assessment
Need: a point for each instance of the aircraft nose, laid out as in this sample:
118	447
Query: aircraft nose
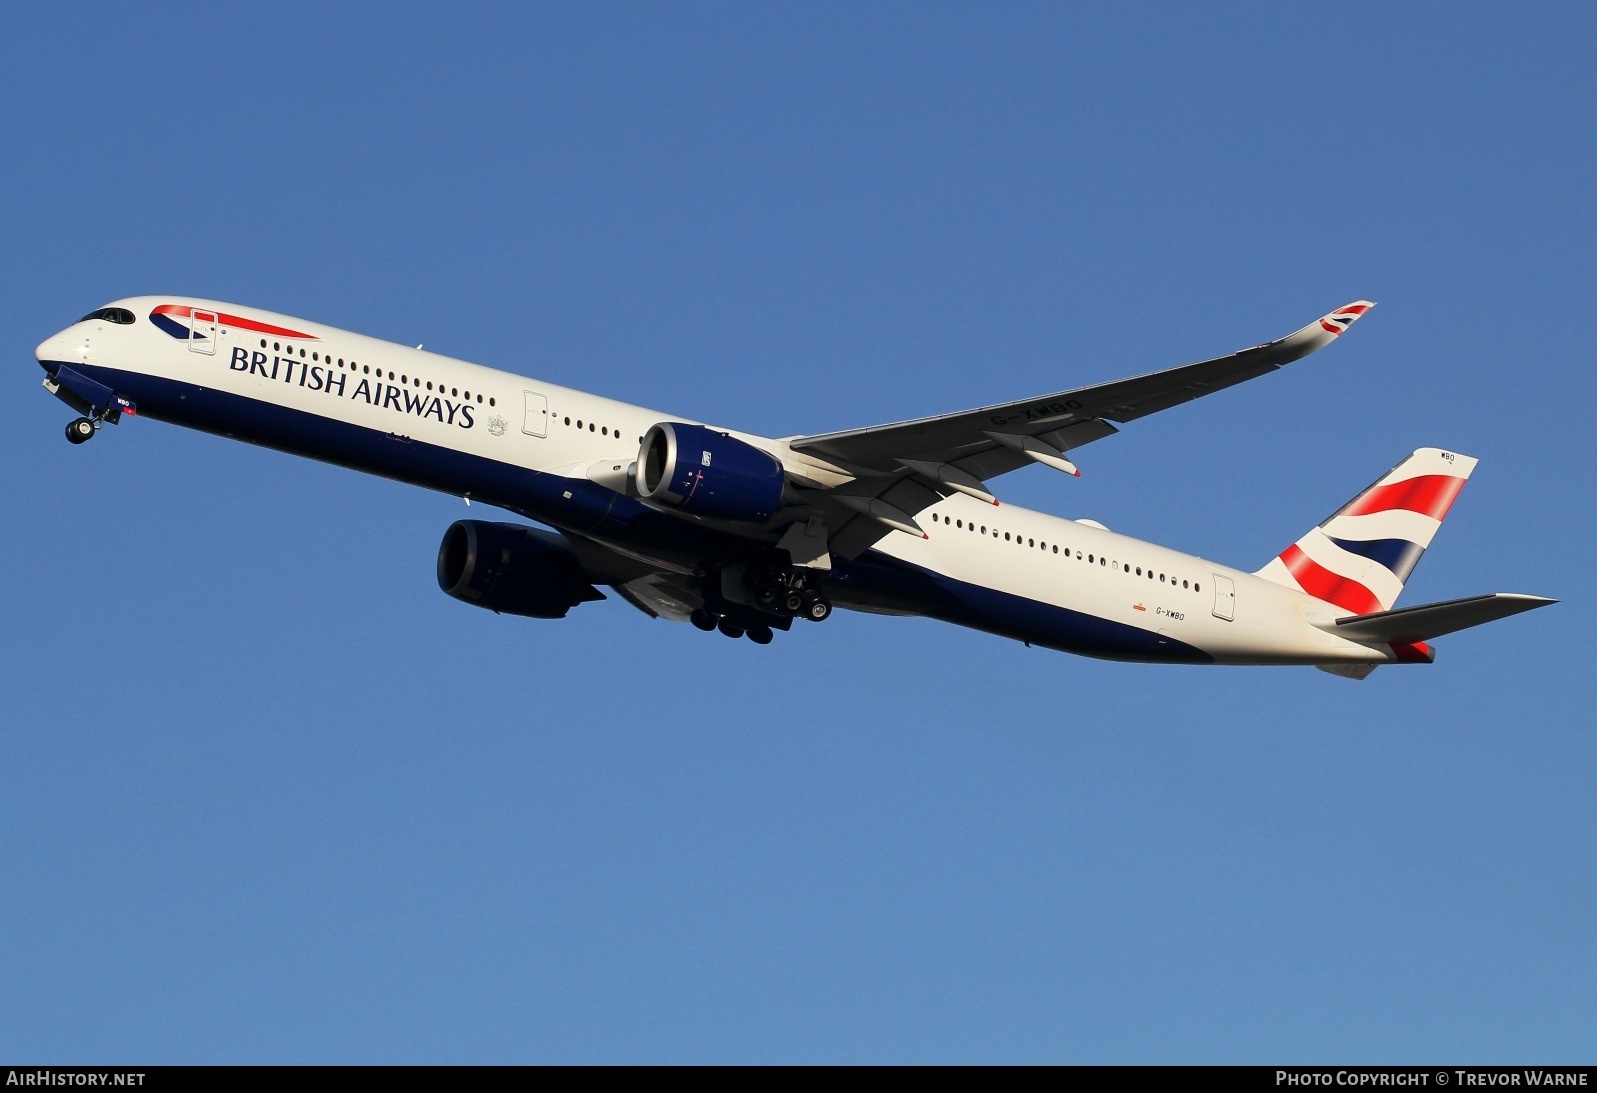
62	348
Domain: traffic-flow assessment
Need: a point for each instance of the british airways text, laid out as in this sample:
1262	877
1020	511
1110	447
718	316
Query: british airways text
316	377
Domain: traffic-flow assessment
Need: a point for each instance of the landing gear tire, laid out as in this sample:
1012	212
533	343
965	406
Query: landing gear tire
703	620
80	430
818	611
793	602
729	630
759	635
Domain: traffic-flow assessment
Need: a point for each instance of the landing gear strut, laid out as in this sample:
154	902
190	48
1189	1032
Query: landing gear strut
80	430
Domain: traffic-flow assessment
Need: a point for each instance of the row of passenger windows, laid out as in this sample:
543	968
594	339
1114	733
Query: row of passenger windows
1108	563
602	430
315	355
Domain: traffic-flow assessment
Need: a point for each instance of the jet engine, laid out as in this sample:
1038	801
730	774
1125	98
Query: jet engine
511	569
707	473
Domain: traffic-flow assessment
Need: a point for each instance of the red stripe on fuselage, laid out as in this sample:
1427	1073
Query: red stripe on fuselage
1321	583
183	311
1429	495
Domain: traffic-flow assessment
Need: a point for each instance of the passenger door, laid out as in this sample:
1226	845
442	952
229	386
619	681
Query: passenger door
536	421
1225	598
202	332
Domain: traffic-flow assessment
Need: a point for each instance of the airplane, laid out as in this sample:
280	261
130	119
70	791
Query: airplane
746	534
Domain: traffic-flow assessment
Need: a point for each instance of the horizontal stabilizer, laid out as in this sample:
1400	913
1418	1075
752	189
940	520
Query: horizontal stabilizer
1432	620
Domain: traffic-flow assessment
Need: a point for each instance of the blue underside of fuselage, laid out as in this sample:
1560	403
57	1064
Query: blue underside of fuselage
874	581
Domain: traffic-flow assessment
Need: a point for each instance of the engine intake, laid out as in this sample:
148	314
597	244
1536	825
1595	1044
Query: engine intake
707	473
511	569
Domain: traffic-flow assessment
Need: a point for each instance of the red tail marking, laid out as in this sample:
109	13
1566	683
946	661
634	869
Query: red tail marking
1429	494
1413	652
1321	583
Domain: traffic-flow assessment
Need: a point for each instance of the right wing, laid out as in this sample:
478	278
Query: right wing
909	465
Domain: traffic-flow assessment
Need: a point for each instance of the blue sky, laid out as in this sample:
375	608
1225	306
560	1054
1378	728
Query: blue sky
266	795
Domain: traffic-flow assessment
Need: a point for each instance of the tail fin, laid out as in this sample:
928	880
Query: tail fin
1361	556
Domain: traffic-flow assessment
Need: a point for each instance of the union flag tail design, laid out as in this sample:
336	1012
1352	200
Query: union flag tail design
1360	557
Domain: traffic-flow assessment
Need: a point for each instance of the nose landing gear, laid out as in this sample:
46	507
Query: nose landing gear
80	430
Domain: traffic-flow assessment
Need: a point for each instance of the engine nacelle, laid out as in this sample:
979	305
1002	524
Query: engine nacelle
512	570
707	473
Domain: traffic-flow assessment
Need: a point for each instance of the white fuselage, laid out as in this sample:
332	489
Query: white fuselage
414	412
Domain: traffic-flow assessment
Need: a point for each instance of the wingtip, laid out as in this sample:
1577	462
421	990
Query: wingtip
1345	316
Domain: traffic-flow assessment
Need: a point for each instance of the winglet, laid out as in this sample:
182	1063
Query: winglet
1324	330
1344	317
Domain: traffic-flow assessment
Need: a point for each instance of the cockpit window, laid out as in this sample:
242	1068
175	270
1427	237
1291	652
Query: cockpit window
119	315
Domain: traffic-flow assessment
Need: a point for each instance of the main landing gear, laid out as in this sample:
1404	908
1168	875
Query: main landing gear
81	430
757	632
786	590
762	598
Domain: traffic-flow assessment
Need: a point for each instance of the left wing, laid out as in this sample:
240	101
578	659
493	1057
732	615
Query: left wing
899	469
